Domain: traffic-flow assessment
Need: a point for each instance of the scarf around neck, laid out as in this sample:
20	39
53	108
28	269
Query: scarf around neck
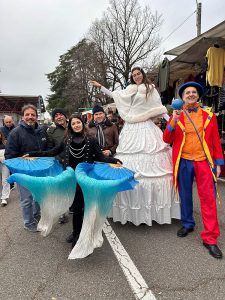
100	134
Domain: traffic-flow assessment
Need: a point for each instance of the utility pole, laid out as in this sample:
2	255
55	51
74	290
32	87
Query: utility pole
198	17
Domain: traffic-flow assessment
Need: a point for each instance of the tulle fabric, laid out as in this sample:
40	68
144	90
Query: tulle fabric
54	195
142	150
100	184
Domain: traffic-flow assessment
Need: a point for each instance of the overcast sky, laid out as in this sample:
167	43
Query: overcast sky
34	33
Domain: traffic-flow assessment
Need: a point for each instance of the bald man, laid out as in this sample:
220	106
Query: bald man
8	125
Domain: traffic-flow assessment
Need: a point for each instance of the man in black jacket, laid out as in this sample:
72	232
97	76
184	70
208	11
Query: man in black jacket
56	131
8	126
27	137
56	135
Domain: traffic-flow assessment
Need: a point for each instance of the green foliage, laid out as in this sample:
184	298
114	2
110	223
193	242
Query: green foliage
69	81
169	109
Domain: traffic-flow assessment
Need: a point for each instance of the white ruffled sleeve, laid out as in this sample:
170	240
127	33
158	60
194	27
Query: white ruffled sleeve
106	91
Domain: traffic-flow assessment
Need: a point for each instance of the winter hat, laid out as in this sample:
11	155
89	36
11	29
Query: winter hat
198	87
97	108
58	111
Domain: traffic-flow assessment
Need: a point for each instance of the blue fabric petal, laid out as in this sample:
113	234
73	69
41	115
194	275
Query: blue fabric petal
101	182
59	186
39	166
54	194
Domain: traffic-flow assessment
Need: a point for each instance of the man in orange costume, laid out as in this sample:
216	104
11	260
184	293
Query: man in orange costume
196	155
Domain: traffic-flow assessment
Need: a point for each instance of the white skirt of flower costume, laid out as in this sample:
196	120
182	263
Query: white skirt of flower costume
142	150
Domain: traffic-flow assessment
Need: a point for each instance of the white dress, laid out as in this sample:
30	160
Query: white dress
142	150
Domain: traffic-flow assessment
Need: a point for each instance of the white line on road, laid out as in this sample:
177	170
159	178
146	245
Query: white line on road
221	179
134	278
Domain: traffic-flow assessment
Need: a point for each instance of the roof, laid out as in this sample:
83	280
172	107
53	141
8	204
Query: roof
191	55
216	33
14	103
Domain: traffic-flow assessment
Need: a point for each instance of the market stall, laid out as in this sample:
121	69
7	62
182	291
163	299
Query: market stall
201	59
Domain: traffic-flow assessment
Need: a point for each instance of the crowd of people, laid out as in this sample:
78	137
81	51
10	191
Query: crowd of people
136	141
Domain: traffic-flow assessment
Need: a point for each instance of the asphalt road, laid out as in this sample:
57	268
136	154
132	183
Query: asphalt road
33	267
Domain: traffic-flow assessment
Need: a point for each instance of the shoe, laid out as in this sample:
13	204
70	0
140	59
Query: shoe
214	250
31	228
37	219
70	210
75	240
182	232
63	219
12	186
4	202
70	238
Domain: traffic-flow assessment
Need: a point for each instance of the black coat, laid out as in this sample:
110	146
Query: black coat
6	130
92	153
24	139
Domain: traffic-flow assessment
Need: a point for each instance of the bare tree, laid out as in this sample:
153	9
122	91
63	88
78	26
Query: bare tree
69	81
125	37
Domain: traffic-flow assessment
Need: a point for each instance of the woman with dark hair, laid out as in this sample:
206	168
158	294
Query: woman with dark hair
140	76
142	150
78	148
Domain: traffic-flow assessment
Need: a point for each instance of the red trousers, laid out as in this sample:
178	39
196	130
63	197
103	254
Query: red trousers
206	191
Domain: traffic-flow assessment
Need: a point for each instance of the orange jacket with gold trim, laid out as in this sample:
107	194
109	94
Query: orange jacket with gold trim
211	141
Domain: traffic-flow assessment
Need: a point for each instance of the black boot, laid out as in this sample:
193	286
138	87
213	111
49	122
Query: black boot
70	238
182	232
75	240
214	250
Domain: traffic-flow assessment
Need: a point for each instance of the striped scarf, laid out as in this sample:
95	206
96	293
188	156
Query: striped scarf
100	134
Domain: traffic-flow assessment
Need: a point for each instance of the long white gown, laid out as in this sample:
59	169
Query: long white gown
142	150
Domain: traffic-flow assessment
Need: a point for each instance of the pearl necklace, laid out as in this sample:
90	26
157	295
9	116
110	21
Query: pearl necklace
79	152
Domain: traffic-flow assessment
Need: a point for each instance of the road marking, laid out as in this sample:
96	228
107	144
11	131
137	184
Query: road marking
221	179
134	278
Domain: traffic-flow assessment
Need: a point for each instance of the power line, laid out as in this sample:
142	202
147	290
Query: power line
178	26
